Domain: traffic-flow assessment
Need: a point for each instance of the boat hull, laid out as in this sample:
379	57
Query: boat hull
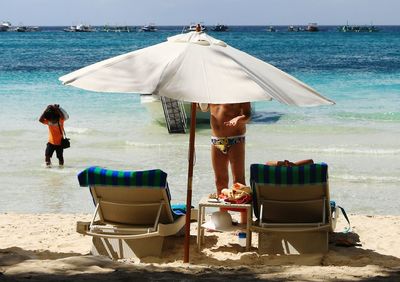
153	105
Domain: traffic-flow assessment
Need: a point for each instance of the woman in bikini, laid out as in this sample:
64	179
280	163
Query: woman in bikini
228	128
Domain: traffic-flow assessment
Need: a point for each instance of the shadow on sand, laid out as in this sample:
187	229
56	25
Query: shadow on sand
17	264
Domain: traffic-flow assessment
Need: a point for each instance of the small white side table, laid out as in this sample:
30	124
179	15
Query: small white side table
204	203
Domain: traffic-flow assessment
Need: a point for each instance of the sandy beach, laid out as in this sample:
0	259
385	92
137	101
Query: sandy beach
45	247
358	137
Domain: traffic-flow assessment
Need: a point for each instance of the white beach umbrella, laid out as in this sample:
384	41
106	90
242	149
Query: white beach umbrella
197	68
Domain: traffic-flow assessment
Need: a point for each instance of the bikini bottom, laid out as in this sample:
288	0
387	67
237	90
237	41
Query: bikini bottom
224	143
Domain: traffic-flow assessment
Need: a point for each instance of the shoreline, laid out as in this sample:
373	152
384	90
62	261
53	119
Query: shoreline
46	247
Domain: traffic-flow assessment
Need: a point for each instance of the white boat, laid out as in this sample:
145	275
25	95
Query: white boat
220	28
312	27
293	28
192	27
148	28
5	26
154	107
26	28
79	28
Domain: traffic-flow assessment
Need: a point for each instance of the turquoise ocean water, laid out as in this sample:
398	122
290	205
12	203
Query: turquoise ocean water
359	137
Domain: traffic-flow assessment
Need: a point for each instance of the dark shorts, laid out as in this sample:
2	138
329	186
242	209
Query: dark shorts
50	148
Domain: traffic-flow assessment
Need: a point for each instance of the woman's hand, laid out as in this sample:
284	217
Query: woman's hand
234	121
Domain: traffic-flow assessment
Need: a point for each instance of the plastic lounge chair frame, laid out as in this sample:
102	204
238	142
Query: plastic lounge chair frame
101	230
294	226
292	206
132	212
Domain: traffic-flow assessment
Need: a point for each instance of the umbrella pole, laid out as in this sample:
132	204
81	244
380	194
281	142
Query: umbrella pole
189	181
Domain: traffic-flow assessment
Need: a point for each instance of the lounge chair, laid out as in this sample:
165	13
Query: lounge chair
292	208
133	212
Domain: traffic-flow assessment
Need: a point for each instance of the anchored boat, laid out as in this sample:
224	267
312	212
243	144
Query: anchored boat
173	113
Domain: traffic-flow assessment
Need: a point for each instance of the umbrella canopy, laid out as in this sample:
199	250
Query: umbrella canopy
195	67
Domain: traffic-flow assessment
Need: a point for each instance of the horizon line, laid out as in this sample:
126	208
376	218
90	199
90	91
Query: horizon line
223	24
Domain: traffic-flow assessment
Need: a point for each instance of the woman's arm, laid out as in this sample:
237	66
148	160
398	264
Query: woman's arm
42	118
243	118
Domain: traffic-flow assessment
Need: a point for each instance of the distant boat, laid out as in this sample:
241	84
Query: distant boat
79	28
148	28
125	28
312	27
26	29
292	28
154	107
356	28
5	26
192	27
271	29
220	27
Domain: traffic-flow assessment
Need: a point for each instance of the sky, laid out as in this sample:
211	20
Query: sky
210	12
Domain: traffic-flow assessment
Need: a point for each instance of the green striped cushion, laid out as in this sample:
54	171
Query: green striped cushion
101	176
133	179
307	174
282	175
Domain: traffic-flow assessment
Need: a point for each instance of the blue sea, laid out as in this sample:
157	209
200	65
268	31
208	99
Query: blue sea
359	137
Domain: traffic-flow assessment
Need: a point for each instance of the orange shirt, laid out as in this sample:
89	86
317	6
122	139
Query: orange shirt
55	134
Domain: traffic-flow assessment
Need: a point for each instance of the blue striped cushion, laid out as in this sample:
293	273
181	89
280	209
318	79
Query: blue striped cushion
282	175
101	176
307	174
133	179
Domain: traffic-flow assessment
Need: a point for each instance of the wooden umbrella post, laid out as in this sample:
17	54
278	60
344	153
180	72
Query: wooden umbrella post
189	182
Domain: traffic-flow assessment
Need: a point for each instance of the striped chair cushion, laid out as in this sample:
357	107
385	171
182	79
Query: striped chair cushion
101	176
133	179
307	174
285	176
